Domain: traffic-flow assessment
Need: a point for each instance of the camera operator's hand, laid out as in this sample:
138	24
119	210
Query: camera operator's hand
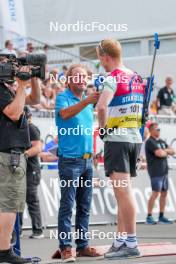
23	83
34	97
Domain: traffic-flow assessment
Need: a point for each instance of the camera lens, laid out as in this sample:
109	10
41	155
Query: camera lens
36	59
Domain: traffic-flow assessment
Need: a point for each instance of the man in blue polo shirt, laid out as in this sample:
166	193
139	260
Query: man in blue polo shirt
74	119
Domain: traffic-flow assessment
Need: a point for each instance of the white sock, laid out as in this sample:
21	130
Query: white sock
119	241
131	241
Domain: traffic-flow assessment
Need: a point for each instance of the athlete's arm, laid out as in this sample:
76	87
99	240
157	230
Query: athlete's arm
102	106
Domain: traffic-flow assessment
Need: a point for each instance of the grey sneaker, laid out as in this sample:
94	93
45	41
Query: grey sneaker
112	251
123	252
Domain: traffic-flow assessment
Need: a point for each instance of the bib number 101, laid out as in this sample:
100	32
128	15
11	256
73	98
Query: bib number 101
134	108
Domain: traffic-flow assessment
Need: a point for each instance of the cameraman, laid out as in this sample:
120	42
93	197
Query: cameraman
14	140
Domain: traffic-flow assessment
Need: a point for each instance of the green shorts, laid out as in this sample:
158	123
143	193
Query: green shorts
12	185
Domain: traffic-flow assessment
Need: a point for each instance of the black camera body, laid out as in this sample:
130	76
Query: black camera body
10	67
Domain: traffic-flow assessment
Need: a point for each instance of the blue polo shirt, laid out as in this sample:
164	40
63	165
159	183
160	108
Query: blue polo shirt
75	134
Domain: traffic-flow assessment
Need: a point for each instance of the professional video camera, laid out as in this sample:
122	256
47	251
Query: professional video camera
10	67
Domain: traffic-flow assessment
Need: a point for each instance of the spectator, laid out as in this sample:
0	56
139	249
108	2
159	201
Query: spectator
58	88
165	98
142	157
64	69
9	49
157	152
30	47
54	73
47	99
153	108
45	48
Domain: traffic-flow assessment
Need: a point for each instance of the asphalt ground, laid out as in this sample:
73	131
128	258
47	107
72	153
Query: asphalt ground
44	248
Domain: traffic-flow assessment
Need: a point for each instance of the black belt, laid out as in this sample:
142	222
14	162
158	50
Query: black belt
9	151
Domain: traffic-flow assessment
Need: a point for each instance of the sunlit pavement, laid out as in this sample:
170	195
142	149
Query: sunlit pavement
44	248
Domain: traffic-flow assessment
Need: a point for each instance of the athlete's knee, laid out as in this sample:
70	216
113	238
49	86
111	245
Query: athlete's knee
123	194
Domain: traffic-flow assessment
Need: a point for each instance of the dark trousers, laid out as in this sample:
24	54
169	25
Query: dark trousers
32	200
70	170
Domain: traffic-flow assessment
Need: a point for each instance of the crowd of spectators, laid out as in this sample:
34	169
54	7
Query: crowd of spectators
51	86
163	104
